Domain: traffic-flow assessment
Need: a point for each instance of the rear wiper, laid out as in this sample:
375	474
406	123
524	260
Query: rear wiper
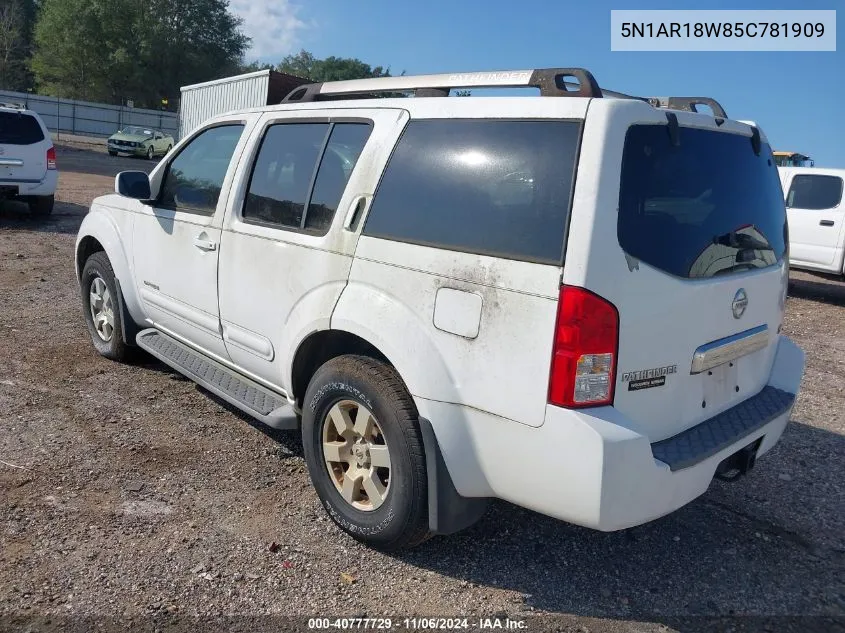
742	241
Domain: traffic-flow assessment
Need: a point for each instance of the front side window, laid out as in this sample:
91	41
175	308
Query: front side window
303	166
706	206
195	177
812	191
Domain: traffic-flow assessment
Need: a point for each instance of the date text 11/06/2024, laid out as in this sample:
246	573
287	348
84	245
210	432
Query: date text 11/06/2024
417	624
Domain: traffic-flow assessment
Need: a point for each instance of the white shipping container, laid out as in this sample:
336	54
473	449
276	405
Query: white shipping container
202	101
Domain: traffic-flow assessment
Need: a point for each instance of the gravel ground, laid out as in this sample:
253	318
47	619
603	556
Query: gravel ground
127	492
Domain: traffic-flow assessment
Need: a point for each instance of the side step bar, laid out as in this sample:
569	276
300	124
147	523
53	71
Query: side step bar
247	395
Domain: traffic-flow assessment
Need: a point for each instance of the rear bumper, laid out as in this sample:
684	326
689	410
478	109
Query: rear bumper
592	469
44	187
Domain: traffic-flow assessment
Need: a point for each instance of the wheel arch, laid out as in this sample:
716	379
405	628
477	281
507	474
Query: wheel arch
100	233
448	511
321	346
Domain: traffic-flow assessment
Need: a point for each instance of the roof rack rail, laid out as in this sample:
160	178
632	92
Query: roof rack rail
14	106
689	104
552	82
674	103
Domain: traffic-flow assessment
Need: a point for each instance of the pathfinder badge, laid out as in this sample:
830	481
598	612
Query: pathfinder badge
648	378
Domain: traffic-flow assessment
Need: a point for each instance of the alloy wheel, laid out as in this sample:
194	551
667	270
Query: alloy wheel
102	309
356	455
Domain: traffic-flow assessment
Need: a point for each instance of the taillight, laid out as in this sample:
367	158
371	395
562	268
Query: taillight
585	348
51	158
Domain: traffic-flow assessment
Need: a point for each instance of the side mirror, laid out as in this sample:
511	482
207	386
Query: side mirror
133	184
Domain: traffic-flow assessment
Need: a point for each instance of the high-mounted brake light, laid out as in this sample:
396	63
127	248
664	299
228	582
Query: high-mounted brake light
585	349
51	158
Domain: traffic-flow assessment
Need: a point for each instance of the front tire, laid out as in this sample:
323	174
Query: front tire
364	451
111	153
101	303
41	206
150	153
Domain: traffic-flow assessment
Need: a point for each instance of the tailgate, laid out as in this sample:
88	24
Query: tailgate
696	268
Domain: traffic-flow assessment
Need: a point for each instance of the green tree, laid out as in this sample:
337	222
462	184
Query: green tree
65	62
188	41
304	64
111	50
254	66
16	23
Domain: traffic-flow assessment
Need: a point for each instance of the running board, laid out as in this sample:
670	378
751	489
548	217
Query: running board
247	395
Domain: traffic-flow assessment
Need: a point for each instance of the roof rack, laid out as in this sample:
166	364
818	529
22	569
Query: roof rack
552	82
674	103
689	104
14	106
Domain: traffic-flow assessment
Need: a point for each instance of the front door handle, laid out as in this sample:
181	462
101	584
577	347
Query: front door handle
827	223
205	245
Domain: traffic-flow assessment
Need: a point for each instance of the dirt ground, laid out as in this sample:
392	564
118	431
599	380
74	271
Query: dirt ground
127	492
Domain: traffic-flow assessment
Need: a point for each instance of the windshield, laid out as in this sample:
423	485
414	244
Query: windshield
705	207
134	130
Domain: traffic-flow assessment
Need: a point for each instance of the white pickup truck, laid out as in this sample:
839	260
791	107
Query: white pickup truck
816	218
561	300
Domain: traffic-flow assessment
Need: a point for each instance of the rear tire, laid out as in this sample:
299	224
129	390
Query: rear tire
386	508
98	289
41	206
150	153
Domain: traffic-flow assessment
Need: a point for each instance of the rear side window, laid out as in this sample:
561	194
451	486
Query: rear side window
345	144
499	188
195	177
704	207
299	166
19	129
811	191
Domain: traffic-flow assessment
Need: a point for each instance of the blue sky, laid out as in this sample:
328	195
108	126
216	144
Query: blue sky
798	98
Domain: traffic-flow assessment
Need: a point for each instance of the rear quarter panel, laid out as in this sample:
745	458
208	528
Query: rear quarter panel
485	343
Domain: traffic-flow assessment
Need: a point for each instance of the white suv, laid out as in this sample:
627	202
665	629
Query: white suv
570	301
27	159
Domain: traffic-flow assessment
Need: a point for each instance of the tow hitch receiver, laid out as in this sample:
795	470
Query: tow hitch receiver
733	467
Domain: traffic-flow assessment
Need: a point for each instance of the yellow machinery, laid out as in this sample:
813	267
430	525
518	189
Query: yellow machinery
793	159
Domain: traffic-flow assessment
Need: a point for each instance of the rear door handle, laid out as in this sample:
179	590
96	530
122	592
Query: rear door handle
356	210
205	245
827	222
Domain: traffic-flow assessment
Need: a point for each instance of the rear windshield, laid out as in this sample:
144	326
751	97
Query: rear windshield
19	129
491	187
705	207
